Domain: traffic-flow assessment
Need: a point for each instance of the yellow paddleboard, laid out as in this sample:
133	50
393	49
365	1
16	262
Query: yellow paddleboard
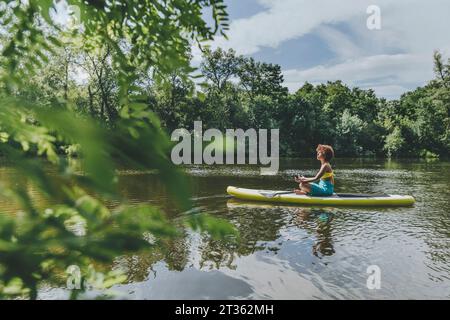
361	200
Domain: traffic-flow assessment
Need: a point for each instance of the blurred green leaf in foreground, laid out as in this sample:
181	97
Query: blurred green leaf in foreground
38	245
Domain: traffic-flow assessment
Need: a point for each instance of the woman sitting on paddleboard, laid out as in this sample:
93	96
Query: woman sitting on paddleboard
325	187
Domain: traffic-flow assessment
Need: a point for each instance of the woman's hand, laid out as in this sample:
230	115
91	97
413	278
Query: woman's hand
303	179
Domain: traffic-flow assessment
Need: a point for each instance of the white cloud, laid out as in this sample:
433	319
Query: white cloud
389	91
282	21
339	42
285	20
409	24
388	75
413	28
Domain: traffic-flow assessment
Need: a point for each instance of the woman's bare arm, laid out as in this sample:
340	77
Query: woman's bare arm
317	176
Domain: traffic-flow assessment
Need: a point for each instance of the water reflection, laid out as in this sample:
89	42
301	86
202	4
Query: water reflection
288	251
259	227
319	222
316	221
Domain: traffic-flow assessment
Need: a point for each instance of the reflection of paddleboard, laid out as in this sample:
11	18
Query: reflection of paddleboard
334	200
234	203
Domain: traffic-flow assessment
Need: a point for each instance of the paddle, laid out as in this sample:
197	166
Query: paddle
273	194
276	193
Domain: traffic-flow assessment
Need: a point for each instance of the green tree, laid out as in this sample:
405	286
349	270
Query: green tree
172	98
349	133
394	142
218	67
102	84
259	78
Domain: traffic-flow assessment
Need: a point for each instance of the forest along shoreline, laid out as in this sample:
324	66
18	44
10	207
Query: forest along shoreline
355	121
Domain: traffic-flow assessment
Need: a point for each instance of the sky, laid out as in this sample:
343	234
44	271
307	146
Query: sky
325	40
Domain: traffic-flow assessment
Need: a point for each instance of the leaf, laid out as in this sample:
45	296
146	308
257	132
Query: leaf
201	96
45	6
216	227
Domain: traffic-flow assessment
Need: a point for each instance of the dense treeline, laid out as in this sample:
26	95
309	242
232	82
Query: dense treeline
239	92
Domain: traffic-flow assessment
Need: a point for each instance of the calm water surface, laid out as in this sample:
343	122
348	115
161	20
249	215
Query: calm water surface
288	252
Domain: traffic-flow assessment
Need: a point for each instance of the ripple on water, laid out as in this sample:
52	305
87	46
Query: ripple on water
298	252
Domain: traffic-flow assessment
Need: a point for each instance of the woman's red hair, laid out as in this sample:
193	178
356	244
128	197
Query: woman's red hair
328	152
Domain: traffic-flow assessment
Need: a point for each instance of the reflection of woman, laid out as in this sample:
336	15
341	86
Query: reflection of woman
305	217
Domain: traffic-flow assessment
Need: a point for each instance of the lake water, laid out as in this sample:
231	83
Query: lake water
289	252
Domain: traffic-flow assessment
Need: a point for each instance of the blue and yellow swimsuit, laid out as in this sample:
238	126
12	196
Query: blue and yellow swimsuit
325	187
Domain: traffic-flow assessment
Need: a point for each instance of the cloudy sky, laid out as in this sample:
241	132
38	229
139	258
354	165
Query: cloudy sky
320	40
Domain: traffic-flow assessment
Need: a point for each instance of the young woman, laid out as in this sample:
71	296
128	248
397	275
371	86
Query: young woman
325	187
